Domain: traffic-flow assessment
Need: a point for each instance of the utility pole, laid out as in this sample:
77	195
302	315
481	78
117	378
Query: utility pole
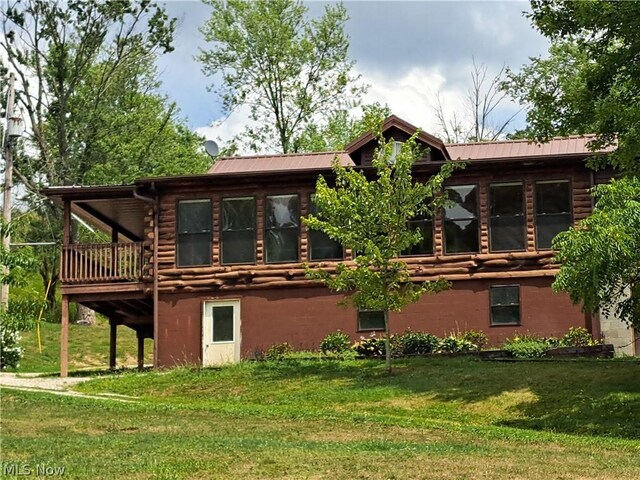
10	133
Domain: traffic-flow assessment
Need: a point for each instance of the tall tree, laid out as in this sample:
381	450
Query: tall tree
291	71
590	80
370	217
87	84
479	120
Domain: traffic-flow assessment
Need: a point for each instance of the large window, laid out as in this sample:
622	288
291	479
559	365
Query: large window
282	228
553	210
424	246
461	220
194	233
507	220
238	230
321	247
505	304
370	320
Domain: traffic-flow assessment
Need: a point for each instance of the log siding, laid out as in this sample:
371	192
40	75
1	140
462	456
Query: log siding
502	266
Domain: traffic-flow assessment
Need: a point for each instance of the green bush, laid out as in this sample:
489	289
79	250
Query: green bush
10	350
278	351
416	343
527	348
336	343
577	337
476	337
371	347
22	314
454	344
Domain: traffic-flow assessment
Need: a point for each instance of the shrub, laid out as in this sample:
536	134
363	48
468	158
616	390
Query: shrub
528	348
453	344
476	337
416	343
278	351
577	337
10	350
336	342
371	347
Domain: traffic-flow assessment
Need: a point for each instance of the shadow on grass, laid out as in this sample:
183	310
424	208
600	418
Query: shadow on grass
588	397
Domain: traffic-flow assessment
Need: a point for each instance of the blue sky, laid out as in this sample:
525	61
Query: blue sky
405	51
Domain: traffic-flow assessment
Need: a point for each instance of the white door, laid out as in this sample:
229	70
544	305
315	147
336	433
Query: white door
221	332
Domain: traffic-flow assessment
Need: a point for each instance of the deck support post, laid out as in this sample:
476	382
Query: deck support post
64	338
113	333
140	350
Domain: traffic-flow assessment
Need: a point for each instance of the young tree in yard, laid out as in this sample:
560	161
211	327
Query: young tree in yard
289	70
369	216
601	257
590	81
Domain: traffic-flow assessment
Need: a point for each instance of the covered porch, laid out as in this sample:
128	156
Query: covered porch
112	278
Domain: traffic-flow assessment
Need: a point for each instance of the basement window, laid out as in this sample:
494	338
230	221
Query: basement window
370	320
505	305
194	233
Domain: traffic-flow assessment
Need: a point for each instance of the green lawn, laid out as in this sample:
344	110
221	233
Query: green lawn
88	348
434	418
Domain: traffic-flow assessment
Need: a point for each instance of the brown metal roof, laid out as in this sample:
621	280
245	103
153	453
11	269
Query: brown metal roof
279	163
572	145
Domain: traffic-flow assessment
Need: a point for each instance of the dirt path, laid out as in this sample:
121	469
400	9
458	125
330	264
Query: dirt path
53	385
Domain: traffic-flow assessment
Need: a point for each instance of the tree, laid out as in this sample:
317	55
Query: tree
477	123
370	217
87	84
290	71
590	81
601	256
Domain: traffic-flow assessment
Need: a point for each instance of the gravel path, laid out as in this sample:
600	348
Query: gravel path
53	385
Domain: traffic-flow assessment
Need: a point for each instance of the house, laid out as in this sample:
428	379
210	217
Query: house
211	266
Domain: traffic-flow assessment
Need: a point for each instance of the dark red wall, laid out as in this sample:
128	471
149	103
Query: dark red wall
303	316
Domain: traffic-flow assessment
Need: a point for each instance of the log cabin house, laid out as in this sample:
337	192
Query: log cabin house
211	266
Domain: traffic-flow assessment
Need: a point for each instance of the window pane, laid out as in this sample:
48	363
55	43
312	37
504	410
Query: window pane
507	295
194	217
507	233
238	214
465	202
194	249
370	320
222	324
506	200
322	247
548	226
553	197
281	245
239	247
282	211
461	236
425	246
505	315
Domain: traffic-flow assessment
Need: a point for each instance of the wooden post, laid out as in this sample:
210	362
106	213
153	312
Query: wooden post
112	344
140	350
64	338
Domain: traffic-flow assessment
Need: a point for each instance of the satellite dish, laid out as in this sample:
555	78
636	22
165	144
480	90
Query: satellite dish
211	148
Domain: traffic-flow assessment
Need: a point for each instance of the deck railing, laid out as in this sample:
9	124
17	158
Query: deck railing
101	262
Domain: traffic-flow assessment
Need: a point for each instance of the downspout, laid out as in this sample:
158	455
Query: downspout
155	203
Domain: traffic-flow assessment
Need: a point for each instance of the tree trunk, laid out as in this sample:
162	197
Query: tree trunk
387	342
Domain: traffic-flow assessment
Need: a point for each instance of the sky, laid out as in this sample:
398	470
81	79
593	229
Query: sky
406	51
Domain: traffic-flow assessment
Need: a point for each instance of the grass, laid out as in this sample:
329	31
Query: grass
434	418
88	348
